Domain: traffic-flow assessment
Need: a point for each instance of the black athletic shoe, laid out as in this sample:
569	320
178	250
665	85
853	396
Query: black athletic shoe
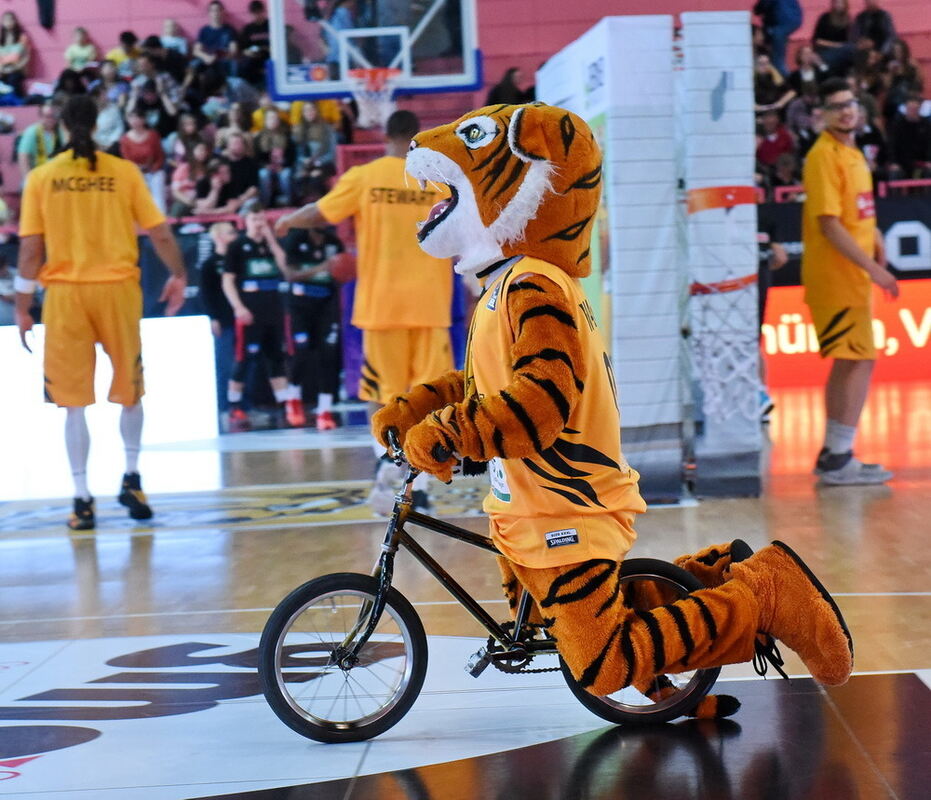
82	518
132	496
828	461
420	502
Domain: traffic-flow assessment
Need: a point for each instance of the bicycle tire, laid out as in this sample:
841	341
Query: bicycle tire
615	709
291	654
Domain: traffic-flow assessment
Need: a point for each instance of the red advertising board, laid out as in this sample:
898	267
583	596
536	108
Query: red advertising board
901	329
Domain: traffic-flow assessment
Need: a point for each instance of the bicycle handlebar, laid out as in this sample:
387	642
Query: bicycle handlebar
438	452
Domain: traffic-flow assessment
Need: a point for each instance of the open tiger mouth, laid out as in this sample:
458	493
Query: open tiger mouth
438	213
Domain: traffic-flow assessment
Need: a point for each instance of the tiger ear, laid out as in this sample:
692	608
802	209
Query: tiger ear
527	133
539	132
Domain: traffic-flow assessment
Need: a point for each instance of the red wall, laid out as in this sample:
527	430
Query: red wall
105	19
519	33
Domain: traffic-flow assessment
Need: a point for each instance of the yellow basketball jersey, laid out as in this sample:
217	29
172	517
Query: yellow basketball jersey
575	500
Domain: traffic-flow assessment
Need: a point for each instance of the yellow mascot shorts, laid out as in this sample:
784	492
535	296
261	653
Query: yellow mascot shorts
79	315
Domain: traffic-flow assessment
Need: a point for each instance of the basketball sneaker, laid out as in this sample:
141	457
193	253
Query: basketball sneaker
238	420
766	406
387	474
855	473
82	517
132	496
294	413
325	421
832	462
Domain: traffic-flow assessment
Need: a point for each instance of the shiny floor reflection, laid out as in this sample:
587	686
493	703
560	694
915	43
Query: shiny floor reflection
84	616
791	741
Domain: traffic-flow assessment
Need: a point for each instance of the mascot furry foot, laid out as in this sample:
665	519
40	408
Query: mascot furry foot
796	609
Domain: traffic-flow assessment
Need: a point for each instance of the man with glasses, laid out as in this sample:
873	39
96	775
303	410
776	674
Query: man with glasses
842	257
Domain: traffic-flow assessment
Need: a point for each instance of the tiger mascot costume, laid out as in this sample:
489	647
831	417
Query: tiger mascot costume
537	401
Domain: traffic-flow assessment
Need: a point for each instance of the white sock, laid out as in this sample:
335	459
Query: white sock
324	402
78	444
131	431
421	482
234	395
282	394
838	438
294	392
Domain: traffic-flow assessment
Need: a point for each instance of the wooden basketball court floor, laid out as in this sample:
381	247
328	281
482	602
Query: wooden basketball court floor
127	655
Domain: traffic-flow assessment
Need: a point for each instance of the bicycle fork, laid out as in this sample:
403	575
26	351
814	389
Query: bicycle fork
371	611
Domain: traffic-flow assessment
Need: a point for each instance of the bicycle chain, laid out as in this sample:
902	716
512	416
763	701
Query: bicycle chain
520	668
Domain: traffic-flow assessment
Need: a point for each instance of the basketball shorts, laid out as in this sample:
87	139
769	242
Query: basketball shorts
396	360
845	332
79	315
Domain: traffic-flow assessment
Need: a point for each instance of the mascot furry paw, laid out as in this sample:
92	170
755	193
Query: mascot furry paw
537	402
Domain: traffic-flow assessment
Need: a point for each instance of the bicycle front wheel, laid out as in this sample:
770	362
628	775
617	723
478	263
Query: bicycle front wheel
648	583
303	669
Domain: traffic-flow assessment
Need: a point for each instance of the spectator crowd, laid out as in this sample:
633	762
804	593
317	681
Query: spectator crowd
894	127
193	115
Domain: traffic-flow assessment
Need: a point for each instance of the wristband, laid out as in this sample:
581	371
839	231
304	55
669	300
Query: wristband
24	285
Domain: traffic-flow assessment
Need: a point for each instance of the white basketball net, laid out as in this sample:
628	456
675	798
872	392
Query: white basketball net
725	349
372	91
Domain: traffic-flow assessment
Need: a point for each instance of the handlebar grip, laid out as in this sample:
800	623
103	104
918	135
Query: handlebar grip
440	453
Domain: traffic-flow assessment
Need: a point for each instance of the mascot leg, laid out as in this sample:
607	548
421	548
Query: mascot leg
512	591
772	591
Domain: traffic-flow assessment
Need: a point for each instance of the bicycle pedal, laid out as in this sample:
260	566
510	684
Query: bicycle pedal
478	663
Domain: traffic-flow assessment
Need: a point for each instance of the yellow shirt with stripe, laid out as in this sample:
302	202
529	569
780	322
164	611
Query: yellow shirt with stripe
837	183
577	499
87	218
398	284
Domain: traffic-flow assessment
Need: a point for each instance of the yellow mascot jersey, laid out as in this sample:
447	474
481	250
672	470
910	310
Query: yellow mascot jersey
577	499
838	184
399	285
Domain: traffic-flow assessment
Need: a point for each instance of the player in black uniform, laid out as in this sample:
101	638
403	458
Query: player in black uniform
255	265
314	313
217	307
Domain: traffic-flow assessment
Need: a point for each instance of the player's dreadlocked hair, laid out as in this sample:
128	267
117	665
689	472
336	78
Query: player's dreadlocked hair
80	118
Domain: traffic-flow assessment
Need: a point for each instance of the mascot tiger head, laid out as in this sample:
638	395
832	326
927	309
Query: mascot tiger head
524	180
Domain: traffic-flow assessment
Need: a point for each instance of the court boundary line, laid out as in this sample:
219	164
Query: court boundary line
269	609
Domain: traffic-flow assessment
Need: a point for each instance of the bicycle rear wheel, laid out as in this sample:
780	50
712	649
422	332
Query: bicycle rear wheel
307	636
648	583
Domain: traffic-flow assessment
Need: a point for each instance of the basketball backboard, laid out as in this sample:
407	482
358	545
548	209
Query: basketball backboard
315	44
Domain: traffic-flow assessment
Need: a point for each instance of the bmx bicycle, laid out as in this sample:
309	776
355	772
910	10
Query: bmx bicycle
343	657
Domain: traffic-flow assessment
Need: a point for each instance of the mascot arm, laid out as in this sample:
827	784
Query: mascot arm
406	410
524	418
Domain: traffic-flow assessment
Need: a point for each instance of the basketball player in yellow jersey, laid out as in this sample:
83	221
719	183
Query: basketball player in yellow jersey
403	296
842	257
78	238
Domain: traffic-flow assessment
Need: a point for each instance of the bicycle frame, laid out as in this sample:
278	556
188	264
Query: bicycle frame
397	537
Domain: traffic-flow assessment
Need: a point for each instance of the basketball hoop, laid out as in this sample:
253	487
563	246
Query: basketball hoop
372	89
724	347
